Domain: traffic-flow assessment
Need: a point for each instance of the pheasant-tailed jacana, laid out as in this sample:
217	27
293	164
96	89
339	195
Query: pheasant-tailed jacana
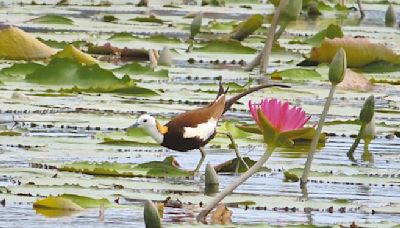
195	128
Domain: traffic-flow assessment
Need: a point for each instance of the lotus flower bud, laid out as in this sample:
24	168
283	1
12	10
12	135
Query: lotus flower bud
292	10
211	180
390	17
337	68
196	25
151	215
368	109
165	57
369	132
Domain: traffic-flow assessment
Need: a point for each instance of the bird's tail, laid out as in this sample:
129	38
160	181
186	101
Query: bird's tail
235	98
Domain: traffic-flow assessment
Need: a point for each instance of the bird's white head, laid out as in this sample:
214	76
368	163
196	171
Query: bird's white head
149	124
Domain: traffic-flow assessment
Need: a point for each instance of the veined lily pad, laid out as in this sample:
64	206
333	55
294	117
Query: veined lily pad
65	71
166	168
18	69
297	73
53	19
139	69
226	46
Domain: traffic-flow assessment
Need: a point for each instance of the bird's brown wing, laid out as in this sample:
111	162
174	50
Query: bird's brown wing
201	115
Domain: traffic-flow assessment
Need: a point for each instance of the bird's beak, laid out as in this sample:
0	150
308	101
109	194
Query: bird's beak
135	125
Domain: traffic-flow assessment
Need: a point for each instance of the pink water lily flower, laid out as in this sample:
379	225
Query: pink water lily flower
281	115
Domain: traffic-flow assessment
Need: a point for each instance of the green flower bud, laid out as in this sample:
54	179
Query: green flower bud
196	25
291	11
368	109
338	66
390	17
151	215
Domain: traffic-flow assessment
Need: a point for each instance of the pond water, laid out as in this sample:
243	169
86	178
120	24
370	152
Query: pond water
57	128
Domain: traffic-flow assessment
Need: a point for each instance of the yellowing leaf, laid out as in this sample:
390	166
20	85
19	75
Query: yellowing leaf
355	81
72	52
59	203
359	51
18	45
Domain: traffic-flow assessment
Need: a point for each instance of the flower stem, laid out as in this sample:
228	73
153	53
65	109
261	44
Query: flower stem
228	190
353	147
307	167
266	52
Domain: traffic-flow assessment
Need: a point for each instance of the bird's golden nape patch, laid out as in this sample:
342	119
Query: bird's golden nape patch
161	128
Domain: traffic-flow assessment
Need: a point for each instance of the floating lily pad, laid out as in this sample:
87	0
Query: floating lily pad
53	19
129	88
18	69
147	19
84	201
380	67
139	69
230	166
166	168
331	32
225	46
10	133
65	71
296	73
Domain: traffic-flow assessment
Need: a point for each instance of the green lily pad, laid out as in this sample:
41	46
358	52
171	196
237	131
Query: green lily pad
290	177
165	168
296	73
380	67
65	71
18	69
139	69
331	32
226	46
84	201
10	133
147	19
53	19
230	166
128	88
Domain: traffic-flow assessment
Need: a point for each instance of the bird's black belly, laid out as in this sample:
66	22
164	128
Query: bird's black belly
175	141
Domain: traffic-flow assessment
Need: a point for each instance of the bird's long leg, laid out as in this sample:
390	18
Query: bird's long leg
238	156
203	156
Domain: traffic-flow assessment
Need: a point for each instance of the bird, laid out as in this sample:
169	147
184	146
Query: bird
195	128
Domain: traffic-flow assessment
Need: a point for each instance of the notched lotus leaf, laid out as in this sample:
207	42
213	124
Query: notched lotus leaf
18	45
226	46
53	19
72	52
359	51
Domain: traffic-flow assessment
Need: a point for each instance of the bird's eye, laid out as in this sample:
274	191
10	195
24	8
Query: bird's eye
145	121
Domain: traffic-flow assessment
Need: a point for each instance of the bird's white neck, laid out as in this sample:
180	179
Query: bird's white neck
155	134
